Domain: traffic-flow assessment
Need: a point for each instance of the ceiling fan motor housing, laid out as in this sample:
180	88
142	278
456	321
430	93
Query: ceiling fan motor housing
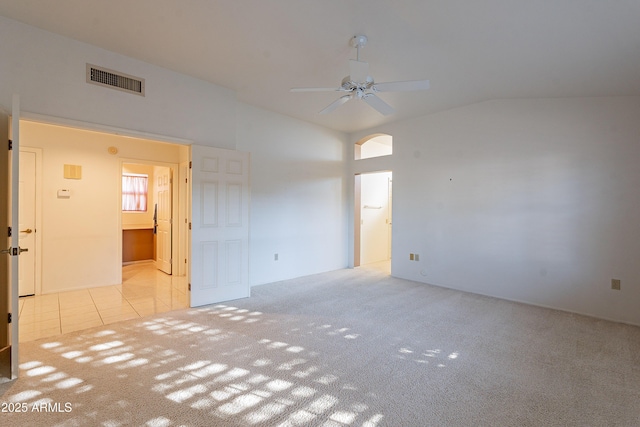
349	84
360	85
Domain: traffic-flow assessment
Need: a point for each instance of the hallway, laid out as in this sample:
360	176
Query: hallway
144	291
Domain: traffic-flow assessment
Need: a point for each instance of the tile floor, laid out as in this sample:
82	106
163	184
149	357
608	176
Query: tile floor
144	291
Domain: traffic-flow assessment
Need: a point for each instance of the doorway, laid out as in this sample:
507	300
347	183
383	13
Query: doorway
373	218
82	228
147	214
81	232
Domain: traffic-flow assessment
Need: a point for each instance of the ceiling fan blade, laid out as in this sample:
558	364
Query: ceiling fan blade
358	71
378	104
401	86
316	89
335	104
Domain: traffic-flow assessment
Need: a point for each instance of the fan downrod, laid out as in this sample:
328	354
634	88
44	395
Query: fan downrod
359	41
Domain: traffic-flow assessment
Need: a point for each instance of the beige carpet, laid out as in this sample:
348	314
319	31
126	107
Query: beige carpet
346	348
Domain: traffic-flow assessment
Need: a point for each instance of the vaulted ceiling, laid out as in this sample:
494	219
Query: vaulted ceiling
470	50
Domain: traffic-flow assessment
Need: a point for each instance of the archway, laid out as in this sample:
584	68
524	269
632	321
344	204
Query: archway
372	202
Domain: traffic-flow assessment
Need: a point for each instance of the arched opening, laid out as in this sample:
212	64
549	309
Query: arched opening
376	145
372	197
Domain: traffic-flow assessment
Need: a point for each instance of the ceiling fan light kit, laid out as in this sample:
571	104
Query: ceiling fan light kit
360	85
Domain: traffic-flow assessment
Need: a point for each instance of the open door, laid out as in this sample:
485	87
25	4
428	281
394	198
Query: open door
164	219
219	225
10	249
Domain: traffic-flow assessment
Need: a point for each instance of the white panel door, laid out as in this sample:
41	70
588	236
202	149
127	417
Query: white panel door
5	258
27	227
164	230
10	248
220	225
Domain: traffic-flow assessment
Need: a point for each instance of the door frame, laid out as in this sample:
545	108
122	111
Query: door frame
38	220
6	296
122	132
16	116
357	215
9	354
175	208
15	332
184	206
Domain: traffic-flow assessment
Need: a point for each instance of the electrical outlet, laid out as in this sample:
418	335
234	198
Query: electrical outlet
615	284
416	257
411	257
275	257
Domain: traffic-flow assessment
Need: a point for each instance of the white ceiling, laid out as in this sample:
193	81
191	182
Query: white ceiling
470	50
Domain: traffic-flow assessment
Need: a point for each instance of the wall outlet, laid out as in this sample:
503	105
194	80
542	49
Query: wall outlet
411	257
275	257
615	284
416	257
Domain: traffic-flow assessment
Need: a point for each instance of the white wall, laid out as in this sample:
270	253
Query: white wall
529	200
48	72
298	195
81	234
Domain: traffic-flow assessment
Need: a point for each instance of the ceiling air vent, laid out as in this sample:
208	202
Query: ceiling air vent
114	79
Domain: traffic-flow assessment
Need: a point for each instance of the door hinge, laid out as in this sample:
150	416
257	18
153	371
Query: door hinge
9	231
185	260
189	286
190	164
10	145
189	226
9	320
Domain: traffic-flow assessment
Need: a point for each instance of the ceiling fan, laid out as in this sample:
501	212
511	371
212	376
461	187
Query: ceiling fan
360	85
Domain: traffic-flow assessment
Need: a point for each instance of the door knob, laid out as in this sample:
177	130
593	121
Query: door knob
28	231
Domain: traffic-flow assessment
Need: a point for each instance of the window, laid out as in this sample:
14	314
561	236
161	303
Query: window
134	192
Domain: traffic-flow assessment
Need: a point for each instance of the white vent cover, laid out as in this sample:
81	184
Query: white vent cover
115	80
